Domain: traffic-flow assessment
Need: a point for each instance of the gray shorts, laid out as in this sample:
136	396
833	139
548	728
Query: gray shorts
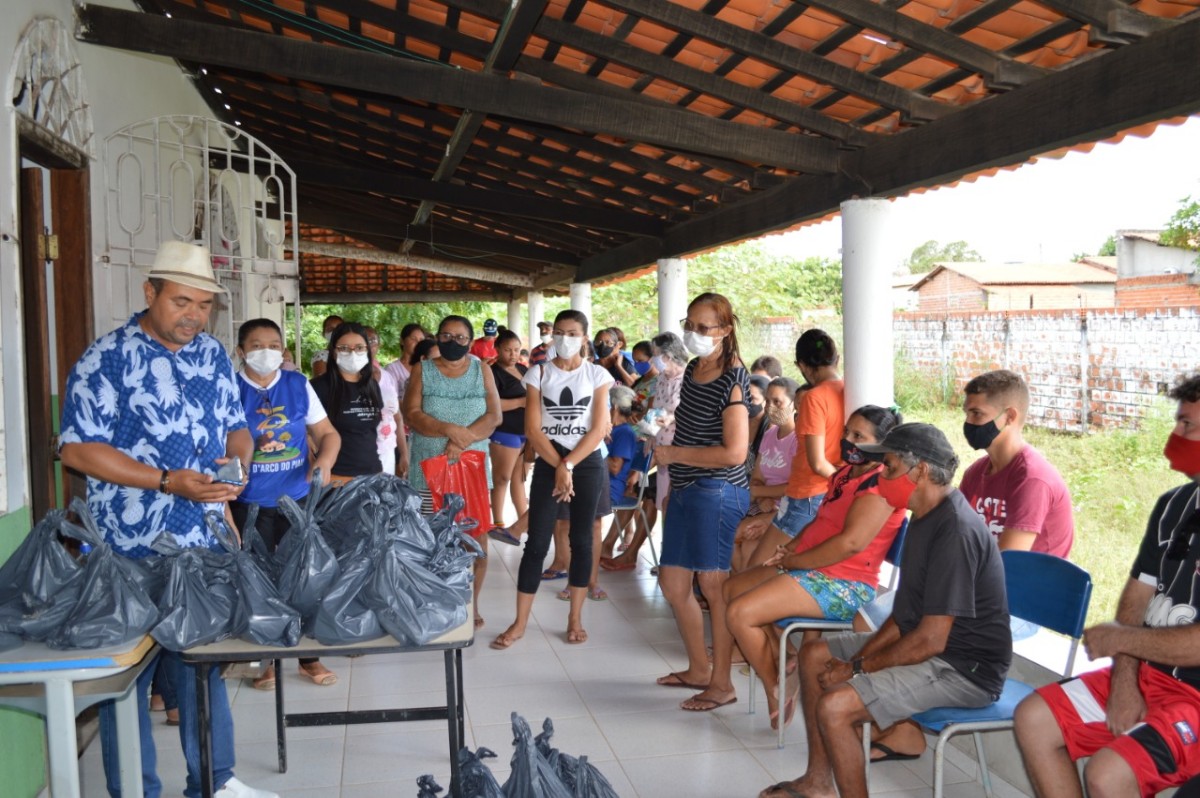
895	694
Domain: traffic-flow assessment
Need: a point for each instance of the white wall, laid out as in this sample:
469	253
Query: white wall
120	88
1137	257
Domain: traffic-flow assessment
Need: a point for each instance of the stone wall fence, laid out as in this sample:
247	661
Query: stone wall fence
1087	369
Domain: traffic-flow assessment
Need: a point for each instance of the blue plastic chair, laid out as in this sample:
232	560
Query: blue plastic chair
801	624
1045	590
635	504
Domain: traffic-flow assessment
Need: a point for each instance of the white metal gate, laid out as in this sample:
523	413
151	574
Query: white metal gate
200	180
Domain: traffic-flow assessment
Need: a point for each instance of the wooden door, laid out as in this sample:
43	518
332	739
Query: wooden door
34	305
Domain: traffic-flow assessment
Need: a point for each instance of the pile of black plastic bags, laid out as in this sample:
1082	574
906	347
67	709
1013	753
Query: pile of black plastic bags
358	563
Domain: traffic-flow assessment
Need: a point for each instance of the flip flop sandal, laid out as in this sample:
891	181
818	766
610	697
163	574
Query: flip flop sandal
613	565
710	702
265	682
321	679
677	681
597	595
172	717
891	755
581	636
549	575
503	535
782	788
503	641
563	595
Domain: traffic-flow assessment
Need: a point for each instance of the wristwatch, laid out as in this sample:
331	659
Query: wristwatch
567	464
856	665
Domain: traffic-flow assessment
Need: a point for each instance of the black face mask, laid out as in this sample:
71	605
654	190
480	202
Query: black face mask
980	436
851	454
755	410
603	350
452	350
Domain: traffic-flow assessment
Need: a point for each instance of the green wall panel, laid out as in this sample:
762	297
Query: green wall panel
23	763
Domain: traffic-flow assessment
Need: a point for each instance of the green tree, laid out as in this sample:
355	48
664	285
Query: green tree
1183	230
923	258
1109	248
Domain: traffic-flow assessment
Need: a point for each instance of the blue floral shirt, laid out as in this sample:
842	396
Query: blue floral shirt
168	410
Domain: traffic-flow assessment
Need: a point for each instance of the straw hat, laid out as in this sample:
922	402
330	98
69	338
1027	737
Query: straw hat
186	264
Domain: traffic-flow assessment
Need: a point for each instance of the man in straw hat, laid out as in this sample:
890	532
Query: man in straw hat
947	643
151	411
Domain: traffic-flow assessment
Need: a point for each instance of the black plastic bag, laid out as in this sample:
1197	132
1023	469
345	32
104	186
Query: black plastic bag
477	779
307	566
40	582
427	787
200	604
454	551
583	779
590	782
414	605
9	641
268	619
113	608
344	616
532	775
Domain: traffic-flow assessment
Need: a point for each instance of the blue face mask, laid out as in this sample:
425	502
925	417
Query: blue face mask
641	367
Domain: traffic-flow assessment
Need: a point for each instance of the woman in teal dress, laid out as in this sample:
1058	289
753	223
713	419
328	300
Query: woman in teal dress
452	405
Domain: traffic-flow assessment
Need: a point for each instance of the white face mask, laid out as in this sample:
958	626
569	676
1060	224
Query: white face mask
567	346
264	361
547	339
657	363
352	362
699	345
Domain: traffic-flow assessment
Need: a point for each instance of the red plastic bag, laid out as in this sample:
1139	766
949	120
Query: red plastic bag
467	478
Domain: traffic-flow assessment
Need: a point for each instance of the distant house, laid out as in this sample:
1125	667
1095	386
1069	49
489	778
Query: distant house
957	287
1151	274
902	296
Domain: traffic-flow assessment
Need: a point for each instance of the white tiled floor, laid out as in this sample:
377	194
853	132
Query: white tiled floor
600	695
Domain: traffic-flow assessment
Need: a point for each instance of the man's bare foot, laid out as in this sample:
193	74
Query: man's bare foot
799	788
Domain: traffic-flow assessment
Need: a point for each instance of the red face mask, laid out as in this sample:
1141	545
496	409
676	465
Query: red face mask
1183	454
897	491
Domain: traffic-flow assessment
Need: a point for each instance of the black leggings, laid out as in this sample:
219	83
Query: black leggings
589	479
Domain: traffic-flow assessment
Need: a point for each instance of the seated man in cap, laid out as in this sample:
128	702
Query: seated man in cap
1138	719
151	411
484	347
947	642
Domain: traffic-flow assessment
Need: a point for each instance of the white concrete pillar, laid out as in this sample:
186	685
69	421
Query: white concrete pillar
672	294
867	262
514	317
581	299
537	306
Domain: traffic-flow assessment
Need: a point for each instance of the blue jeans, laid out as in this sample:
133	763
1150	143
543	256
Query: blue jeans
183	678
701	522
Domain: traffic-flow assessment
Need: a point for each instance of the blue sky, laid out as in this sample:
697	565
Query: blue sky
1045	211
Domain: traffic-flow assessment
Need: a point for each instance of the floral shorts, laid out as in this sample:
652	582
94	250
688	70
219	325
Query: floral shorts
839	599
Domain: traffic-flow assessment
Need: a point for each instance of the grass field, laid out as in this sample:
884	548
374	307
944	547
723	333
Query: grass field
1114	478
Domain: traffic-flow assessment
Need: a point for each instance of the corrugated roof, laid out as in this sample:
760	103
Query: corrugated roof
987	274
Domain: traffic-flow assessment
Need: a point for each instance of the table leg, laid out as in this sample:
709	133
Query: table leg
60	732
462	733
204	728
129	742
280	723
454	719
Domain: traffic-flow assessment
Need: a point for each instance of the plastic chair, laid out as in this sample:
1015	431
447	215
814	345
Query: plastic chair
801	624
635	504
1045	590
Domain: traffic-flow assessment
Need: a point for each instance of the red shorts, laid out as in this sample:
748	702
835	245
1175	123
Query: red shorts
1163	751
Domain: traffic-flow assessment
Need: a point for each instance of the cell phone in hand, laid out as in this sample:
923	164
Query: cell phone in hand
231	473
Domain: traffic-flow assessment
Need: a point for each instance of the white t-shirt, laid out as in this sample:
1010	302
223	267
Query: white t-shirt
566	399
386	443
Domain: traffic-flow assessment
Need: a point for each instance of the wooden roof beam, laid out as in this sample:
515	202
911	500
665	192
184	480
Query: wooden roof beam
763	48
1110	20
505	203
998	71
220	45
447	268
400	297
620	52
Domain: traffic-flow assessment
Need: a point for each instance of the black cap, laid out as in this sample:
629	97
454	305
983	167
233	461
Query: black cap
923	441
545	325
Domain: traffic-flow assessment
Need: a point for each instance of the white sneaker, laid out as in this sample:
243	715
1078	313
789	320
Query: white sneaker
235	789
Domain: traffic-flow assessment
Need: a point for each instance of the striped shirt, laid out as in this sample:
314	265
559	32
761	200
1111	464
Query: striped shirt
698	423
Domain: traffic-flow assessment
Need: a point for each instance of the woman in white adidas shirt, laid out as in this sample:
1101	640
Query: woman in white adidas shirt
566	418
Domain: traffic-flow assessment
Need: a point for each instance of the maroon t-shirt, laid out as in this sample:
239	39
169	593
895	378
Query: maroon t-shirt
1027	495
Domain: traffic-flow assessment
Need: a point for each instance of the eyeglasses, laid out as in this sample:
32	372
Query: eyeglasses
346	350
458	339
703	329
373	342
